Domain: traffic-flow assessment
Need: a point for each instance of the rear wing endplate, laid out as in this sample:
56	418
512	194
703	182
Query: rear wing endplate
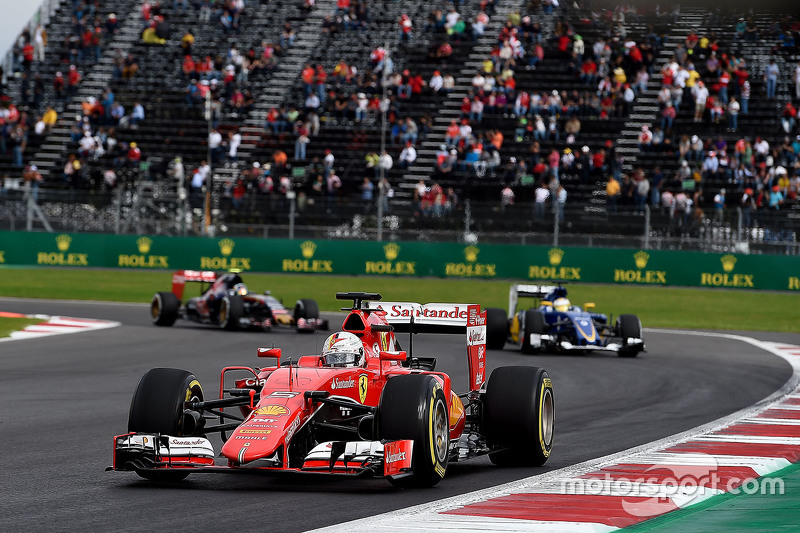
526	291
181	277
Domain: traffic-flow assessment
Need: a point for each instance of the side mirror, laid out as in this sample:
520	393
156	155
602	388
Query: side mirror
588	306
270	352
392	356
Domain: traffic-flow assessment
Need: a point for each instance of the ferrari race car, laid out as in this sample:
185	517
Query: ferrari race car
556	325
362	408
226	302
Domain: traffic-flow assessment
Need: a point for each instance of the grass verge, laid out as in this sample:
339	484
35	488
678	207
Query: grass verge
656	306
10	325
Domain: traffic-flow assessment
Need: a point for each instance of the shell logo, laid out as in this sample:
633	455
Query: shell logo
272	410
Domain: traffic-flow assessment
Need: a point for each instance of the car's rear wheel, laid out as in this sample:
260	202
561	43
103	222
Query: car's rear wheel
231	309
534	323
629	327
519	415
164	308
157	407
496	328
414	407
306	308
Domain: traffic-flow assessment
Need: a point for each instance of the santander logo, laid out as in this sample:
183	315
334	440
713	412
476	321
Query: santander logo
394	457
342	383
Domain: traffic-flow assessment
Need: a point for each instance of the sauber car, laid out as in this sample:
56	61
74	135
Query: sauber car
391	415
554	324
226	302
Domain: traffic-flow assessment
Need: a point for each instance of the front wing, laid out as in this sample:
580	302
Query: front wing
140	452
550	342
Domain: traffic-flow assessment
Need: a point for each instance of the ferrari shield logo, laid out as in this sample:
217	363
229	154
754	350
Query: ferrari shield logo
363	382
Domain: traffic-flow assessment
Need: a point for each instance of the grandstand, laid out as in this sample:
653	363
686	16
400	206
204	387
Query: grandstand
257	54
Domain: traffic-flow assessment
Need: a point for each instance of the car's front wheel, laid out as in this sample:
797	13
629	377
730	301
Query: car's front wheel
157	407
414	407
629	327
534	324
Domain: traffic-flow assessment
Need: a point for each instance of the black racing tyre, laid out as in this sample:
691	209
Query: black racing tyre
414	407
306	308
157	407
164	308
629	327
519	415
230	311
496	328
534	323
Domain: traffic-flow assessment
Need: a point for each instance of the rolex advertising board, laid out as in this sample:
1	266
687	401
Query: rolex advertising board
543	264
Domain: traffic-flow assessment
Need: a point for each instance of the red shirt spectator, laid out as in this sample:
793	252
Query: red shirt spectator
134	154
74	77
188	66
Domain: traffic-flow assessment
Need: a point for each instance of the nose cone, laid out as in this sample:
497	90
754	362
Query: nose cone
260	436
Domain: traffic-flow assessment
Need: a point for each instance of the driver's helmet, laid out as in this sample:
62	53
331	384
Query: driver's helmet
240	289
343	349
561	304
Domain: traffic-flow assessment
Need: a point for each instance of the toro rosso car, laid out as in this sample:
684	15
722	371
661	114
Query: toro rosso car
364	407
554	325
226	302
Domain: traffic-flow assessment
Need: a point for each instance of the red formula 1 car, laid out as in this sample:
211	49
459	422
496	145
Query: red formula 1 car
363	408
226	302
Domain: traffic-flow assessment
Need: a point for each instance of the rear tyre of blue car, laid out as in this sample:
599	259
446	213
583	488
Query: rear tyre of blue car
157	407
414	407
629	327
496	328
164	308
519	415
534	323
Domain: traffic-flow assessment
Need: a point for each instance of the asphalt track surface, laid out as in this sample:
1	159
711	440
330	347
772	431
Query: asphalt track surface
64	397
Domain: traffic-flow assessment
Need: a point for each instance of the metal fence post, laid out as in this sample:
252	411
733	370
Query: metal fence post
646	227
739	224
291	196
555	221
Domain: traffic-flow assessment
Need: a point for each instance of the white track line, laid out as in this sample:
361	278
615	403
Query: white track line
58	325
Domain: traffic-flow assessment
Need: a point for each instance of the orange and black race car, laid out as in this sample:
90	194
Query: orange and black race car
363	407
226	302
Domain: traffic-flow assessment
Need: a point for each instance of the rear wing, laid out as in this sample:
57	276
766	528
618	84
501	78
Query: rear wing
443	318
181	277
528	291
423	318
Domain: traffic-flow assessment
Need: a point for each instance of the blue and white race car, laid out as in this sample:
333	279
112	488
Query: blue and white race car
555	325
